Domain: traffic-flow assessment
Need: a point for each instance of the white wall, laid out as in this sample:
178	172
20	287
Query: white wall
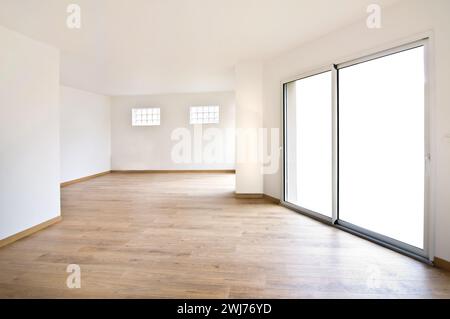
150	147
398	22
249	107
85	133
29	133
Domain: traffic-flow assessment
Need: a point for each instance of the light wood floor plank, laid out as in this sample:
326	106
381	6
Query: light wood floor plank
186	236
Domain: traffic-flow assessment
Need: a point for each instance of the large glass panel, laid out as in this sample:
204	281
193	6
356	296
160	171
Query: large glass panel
309	143
381	146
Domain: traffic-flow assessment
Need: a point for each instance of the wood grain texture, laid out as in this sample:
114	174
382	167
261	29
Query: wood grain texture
248	196
441	263
161	171
187	236
29	231
82	179
272	199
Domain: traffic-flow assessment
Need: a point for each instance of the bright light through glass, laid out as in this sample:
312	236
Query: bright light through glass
309	143
381	146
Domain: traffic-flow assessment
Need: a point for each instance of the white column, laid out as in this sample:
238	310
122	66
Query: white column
249	177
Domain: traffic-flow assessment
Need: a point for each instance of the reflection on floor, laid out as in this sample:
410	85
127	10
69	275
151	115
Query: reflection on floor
185	236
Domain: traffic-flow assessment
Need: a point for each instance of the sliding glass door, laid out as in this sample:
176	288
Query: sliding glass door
355	147
381	145
309	143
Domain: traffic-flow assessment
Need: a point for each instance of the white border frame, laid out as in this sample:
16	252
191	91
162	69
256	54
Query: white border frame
430	135
298	208
425	251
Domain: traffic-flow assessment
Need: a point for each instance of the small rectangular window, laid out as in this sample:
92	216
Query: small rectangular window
145	116
204	114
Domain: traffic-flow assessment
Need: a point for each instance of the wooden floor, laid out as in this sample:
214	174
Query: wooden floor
186	236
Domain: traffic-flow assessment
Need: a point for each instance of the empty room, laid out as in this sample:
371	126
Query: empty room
225	149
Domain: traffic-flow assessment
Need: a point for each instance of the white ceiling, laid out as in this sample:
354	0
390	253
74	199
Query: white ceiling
162	46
